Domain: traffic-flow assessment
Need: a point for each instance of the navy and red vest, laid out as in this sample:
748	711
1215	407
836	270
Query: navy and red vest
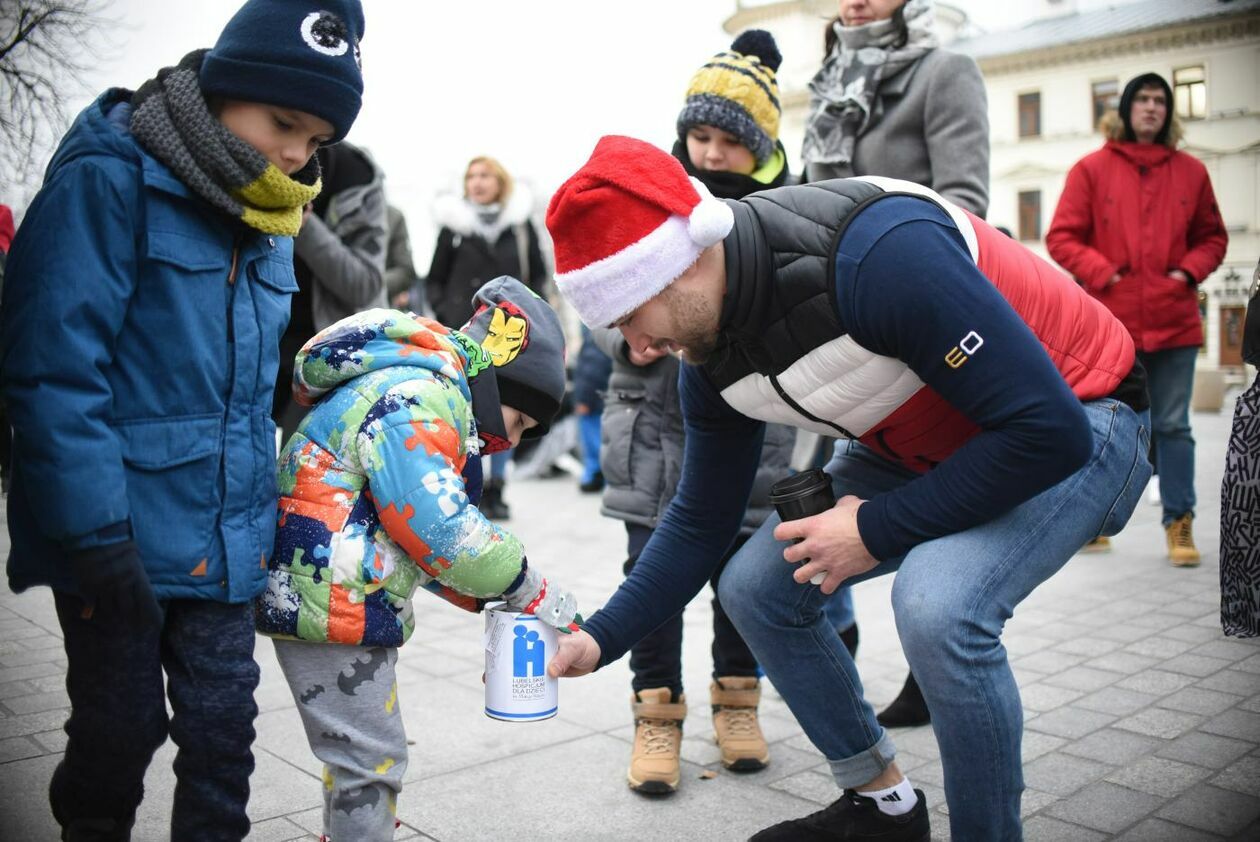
785	357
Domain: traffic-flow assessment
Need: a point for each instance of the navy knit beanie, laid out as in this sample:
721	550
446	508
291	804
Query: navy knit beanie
292	53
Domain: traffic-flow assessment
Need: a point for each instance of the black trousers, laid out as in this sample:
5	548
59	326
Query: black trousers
656	660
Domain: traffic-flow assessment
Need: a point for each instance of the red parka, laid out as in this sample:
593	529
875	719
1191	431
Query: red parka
1142	210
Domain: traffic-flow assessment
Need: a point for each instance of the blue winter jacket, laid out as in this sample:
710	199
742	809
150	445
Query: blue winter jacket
138	351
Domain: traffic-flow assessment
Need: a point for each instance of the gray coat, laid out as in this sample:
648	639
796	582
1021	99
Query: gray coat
930	125
642	437
346	252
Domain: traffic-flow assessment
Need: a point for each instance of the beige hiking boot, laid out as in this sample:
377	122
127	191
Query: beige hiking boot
657	741
1181	550
735	723
1101	544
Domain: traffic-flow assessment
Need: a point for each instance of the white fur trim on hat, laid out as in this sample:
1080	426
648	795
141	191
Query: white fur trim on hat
604	291
711	220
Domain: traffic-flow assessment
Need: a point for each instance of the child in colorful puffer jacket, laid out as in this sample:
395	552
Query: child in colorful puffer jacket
375	502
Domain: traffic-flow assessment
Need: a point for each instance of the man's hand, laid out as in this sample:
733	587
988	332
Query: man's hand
831	543
578	655
112	581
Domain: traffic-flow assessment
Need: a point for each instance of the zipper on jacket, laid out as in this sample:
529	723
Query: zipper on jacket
231	279
796	406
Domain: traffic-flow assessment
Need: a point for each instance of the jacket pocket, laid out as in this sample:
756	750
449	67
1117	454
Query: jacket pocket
172	469
622	410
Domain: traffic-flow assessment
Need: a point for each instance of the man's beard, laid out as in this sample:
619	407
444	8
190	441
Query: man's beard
695	325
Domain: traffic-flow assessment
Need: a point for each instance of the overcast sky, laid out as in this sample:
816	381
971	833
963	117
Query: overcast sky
532	83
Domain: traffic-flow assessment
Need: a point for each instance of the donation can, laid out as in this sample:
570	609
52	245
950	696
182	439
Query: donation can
518	649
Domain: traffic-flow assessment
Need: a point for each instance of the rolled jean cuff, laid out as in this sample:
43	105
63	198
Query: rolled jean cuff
863	768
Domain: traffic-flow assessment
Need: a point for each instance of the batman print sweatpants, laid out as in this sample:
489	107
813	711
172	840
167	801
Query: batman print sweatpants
348	699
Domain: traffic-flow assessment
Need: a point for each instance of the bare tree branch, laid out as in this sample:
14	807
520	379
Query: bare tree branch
46	49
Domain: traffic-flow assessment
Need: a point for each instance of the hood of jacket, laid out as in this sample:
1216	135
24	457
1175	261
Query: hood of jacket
100	129
376	339
453	211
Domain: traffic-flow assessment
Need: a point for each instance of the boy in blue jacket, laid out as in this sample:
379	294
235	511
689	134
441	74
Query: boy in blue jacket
146	293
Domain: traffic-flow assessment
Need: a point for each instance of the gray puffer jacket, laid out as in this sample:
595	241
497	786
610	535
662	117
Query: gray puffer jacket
641	445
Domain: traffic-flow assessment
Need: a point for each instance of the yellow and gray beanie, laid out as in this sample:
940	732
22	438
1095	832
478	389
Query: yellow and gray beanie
736	91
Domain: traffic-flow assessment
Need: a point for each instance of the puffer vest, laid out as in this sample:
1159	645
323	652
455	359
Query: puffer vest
785	357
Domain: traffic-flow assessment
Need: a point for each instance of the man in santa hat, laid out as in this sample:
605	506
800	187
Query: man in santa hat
997	420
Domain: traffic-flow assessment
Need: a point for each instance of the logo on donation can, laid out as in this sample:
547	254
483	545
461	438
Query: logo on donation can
518	649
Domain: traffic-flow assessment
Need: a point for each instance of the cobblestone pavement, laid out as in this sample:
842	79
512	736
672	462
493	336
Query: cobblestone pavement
1142	719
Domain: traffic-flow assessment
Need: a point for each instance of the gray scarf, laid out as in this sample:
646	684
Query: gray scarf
843	92
172	121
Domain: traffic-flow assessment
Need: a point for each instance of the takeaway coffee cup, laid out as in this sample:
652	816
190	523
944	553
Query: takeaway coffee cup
518	649
803	495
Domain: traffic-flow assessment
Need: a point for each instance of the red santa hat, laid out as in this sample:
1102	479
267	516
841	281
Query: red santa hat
626	225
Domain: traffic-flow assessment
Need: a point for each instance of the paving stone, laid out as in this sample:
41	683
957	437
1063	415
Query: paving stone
1229	649
32	656
1034	800
1158	830
1196	634
1049	661
1083	678
1213	809
1125	662
1198	700
1208	750
1156	682
1158	647
1251	664
1035	744
279	830
1105	807
31	723
52	742
1241	724
1252	704
37	702
8	674
1019	645
1109	745
1158	621
1069	721
1200	666
1232	681
1116	700
1089	646
1159	722
811	786
1158	776
18	748
1063	774
1122	632
14	689
43	642
1243	776
1041	696
1046	829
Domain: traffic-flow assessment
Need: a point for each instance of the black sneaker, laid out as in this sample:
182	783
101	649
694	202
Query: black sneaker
853	817
908	710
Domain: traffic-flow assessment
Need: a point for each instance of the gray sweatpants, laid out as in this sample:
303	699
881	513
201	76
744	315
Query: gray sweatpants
348	700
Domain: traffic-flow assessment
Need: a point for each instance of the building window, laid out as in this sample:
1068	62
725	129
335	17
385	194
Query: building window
1030	114
1190	92
1030	215
1106	98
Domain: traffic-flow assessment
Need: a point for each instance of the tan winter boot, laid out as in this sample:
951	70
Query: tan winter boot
1181	550
735	723
657	741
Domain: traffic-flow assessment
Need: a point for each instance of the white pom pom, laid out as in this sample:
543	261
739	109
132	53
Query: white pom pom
711	220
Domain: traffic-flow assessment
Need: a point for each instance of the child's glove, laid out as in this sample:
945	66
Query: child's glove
546	601
112	580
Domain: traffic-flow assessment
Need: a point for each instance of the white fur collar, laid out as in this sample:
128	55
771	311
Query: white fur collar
459	215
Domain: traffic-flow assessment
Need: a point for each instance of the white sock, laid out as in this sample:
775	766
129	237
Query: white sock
897	800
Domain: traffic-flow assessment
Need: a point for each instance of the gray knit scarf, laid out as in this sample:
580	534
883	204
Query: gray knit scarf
172	120
843	91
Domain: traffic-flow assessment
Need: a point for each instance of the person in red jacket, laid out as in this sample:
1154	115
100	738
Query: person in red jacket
1138	227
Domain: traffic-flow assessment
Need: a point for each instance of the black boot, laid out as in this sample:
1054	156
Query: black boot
907	709
492	505
849	637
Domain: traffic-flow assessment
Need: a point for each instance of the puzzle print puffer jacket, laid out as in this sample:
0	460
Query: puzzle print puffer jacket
372	501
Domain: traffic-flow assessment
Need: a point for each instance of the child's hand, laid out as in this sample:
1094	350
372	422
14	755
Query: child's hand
545	600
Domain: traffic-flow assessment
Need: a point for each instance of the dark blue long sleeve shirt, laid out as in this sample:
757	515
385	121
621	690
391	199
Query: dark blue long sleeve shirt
907	288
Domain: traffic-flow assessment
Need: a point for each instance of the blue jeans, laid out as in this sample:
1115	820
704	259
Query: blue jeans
118	716
1170	379
588	431
951	598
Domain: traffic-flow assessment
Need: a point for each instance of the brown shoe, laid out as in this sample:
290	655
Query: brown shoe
1181	550
654	763
735	723
1101	544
